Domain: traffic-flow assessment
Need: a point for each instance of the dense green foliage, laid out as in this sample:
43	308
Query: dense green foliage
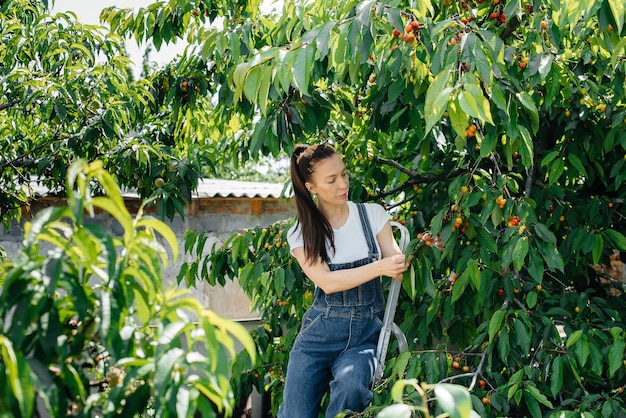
498	125
86	328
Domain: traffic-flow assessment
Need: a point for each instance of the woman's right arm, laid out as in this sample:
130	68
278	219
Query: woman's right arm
338	280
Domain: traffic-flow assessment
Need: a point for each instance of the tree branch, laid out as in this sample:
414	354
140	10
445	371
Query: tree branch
415	177
9	104
21	163
512	24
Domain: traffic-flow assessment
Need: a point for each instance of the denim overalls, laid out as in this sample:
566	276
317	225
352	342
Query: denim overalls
336	344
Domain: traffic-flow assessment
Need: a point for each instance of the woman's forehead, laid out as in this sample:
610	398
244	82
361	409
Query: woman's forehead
330	166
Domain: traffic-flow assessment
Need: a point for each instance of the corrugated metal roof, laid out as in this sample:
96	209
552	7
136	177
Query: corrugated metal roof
208	188
234	188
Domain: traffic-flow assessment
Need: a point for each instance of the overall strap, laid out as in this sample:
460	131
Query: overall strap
367	230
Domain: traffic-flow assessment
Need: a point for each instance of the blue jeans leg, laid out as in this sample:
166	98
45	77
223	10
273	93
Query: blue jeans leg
308	370
352	375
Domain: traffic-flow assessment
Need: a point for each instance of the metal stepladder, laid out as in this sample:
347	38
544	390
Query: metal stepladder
389	327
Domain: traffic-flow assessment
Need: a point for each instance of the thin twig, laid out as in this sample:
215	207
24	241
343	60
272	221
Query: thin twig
479	369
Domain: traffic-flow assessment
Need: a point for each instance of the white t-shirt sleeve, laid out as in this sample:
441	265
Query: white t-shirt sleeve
294	237
378	216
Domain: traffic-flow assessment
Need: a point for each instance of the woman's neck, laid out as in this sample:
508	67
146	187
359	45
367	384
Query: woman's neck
336	215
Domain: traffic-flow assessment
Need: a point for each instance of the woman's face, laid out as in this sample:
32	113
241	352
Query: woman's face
330	181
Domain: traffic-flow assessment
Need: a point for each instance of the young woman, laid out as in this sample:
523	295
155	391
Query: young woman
344	248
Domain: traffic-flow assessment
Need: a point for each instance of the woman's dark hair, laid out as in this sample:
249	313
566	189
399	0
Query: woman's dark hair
314	226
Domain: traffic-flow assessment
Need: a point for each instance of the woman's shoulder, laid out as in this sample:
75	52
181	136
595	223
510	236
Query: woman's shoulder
295	228
376	213
375	208
368	205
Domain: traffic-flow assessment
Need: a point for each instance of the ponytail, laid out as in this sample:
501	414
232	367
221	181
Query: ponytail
315	228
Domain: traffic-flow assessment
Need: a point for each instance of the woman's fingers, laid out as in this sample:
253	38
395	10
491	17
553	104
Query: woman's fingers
398	265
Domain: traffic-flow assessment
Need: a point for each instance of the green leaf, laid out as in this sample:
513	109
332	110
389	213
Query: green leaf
460	285
504	345
618	10
573	337
474	103
616	356
577	163
535	265
399	410
551	156
251	83
540	64
235	329
598	247
531	404
531	299
161	228
437	97
522	336
239	79
279	280
120	214
544	233
551	255
520	252
474	274
164	365
322	39
617	239
433	308
400	364
282	71
397	390
617	51
556	376
17	374
526	100
453	399
301	69
495	323
458	118
396	89
486	240
596	359
264	90
556	170
535	393
527	147
581	349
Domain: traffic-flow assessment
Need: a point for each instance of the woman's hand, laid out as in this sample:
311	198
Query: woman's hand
393	266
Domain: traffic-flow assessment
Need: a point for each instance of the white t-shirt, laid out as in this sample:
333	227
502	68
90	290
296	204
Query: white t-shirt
350	243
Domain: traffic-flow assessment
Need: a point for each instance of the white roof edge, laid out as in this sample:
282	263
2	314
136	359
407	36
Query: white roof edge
208	188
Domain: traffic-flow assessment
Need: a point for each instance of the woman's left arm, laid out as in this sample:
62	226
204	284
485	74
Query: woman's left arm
388	245
387	242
